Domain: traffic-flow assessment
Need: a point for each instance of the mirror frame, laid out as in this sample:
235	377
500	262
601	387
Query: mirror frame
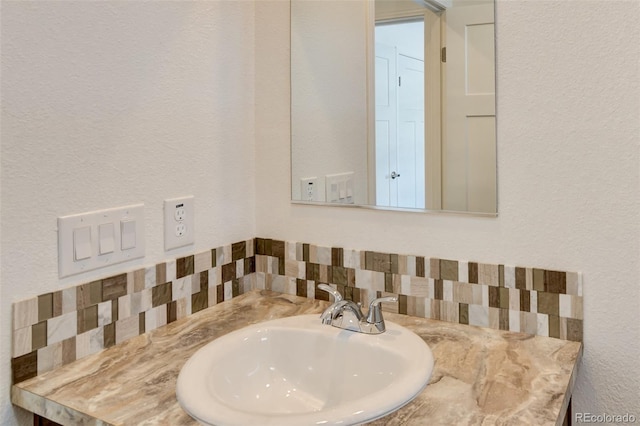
435	21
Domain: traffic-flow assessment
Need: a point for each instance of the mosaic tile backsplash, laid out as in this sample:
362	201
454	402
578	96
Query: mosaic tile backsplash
57	328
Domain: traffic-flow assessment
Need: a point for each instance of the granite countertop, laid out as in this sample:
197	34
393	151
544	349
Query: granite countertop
481	376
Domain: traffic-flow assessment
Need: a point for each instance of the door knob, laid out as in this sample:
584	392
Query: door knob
395	175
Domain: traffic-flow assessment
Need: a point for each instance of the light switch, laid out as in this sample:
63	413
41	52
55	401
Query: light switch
127	234
82	243
100	238
349	188
106	237
334	193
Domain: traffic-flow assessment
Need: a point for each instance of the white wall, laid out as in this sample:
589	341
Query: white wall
568	171
106	104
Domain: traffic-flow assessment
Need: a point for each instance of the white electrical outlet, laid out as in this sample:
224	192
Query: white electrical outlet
179	219
180	213
309	189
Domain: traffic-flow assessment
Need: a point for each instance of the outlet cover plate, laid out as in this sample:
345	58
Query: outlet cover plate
179	222
309	189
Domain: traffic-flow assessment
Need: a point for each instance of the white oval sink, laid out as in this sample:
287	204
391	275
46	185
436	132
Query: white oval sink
297	371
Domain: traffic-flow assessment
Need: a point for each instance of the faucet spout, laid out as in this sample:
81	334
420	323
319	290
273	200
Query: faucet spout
347	306
347	315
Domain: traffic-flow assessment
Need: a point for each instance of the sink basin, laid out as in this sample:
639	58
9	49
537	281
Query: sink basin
297	371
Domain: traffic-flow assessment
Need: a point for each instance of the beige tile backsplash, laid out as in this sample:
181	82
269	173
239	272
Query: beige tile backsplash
56	328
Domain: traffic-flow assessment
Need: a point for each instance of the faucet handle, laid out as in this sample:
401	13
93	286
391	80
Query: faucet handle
375	309
335	293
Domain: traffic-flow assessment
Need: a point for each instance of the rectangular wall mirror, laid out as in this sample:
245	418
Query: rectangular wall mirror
393	104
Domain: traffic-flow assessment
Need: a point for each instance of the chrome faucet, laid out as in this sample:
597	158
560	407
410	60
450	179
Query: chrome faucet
347	315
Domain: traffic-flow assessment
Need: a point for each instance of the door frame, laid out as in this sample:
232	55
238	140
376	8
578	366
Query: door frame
432	101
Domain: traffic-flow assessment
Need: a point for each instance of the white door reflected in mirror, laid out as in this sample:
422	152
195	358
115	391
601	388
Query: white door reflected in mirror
399	112
399	96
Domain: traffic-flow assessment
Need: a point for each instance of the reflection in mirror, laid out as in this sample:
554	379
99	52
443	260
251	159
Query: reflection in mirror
399	113
393	104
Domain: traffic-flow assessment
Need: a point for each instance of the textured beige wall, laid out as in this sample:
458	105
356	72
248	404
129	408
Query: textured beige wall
106	104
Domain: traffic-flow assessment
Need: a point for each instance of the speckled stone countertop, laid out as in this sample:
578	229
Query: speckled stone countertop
481	376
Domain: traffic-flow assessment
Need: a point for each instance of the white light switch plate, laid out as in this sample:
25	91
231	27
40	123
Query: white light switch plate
339	188
90	250
179	222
